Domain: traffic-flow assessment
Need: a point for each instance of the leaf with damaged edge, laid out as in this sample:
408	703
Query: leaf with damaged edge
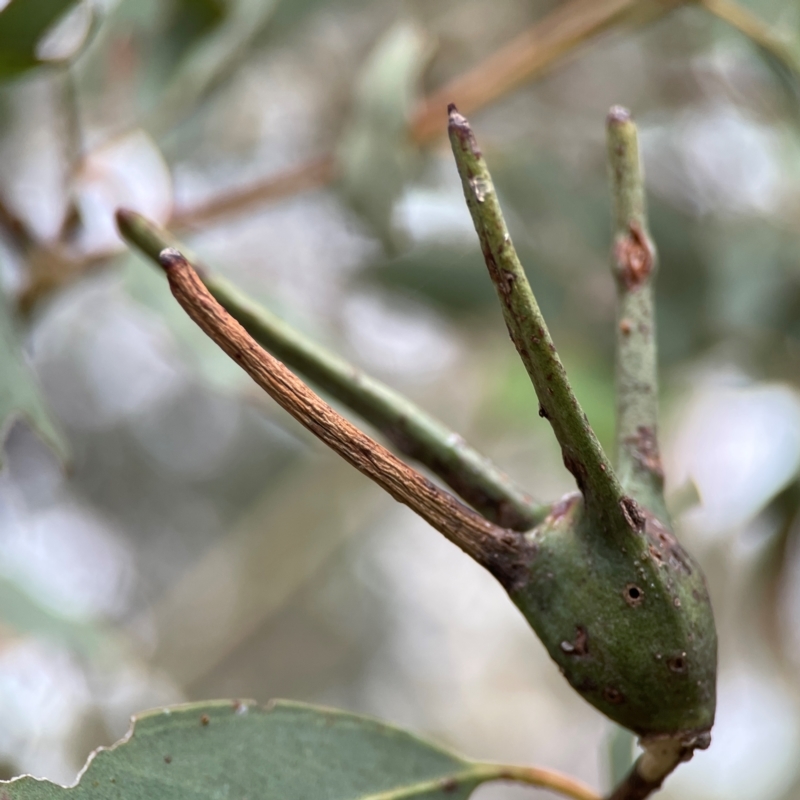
20	397
285	751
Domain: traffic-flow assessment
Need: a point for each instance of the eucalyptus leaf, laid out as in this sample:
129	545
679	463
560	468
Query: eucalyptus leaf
23	23
376	156
285	751
209	61
292	15
20	396
22	611
620	754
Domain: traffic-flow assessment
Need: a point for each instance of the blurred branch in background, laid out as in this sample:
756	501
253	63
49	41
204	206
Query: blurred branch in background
526	57
311	175
295	528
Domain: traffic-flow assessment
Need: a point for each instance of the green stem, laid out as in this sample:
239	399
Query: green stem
660	758
582	453
485	773
506	554
410	429
634	265
542	779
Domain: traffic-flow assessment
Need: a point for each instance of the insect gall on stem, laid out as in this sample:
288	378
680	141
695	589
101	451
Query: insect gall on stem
620	606
610	580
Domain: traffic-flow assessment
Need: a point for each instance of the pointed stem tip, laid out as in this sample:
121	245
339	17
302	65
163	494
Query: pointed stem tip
170	258
456	121
618	115
582	453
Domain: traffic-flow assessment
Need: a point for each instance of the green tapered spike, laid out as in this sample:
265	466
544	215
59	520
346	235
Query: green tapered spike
620	606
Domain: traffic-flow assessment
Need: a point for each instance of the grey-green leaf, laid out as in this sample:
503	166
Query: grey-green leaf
286	751
376	156
22	25
20	397
21	611
210	61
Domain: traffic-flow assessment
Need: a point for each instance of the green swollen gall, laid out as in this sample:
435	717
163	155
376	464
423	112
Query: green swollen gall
620	606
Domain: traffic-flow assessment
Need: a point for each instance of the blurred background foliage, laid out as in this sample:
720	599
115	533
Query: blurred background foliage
166	533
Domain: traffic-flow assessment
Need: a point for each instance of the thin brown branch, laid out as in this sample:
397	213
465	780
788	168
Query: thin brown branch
526	56
635	787
411	430
50	268
547	779
660	758
312	174
504	553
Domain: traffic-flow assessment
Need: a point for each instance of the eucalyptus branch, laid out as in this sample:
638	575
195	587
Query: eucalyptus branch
583	455
527	56
634	265
506	554
661	756
485	773
313	174
414	432
542	779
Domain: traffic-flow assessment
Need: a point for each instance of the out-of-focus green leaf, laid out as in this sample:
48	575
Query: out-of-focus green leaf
683	498
591	378
208	62
192	19
22	612
452	278
286	751
376	156
20	397
22	25
291	14
620	754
